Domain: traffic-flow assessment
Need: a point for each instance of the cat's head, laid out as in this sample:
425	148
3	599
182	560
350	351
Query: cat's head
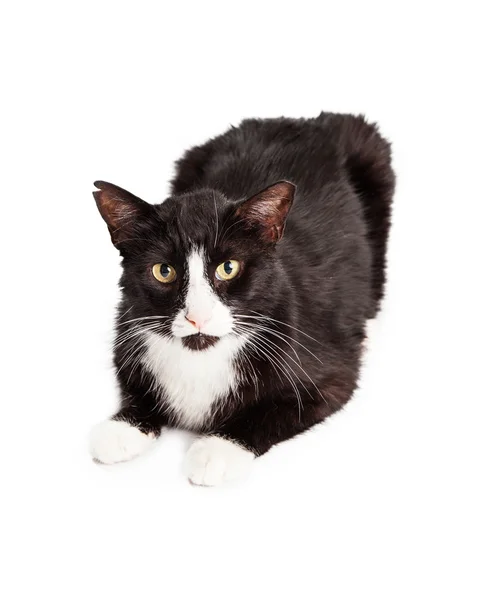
198	261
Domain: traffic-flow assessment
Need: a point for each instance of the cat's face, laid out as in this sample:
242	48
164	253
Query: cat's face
197	262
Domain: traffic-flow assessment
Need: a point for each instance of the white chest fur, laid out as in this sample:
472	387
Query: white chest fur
192	381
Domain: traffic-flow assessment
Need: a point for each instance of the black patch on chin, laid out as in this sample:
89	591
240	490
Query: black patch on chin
199	341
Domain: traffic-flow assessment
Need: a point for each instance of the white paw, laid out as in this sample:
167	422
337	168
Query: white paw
117	441
214	460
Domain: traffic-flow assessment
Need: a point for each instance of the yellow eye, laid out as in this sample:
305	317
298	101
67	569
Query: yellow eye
227	270
164	273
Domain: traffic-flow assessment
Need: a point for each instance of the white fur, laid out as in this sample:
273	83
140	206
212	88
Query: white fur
214	460
193	380
117	441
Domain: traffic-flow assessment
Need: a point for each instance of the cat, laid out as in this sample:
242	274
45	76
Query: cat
245	294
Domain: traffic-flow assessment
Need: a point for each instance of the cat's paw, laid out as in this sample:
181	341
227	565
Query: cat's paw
116	441
214	460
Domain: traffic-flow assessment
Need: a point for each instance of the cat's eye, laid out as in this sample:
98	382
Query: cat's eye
164	273
227	270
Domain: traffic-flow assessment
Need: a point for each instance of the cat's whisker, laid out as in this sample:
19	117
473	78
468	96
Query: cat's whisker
279	368
138	333
253	372
143	319
131	354
130	334
274	332
254	375
276	350
265	317
135	364
126	312
137	345
126	337
269	342
270	359
276	363
135	330
300	367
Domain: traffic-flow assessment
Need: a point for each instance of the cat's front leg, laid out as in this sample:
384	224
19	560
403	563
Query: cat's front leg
124	436
215	459
228	454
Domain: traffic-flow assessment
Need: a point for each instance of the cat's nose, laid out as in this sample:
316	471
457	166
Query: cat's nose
196	321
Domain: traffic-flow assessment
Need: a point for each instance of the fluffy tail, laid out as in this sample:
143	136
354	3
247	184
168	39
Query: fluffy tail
367	159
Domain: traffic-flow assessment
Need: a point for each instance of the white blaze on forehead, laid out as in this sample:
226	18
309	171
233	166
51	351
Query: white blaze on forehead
200	298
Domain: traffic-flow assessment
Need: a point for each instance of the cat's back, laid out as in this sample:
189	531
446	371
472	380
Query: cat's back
259	152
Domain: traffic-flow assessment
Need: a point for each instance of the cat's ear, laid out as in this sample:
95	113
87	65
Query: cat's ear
119	209
268	210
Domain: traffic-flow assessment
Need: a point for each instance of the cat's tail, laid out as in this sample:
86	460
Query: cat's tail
367	159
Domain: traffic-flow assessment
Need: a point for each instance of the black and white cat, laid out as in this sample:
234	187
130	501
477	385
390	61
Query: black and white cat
245	294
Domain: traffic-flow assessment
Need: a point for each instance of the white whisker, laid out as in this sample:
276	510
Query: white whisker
278	366
264	317
143	319
286	335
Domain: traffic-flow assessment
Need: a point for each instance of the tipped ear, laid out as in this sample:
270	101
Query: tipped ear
119	210
268	210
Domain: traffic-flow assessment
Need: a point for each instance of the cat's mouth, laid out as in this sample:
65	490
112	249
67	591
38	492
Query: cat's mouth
199	341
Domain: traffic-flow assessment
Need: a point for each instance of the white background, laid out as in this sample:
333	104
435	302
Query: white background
381	501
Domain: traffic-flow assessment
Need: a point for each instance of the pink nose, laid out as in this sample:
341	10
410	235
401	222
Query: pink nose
196	321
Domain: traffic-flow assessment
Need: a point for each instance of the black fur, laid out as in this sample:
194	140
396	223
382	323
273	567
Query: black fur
317	285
